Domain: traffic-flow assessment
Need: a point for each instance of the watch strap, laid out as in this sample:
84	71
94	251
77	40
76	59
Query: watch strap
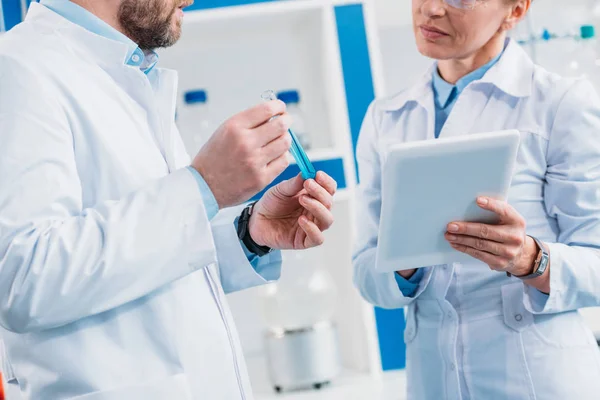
541	262
243	232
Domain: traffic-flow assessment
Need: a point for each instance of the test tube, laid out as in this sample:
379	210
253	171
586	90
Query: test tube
306	167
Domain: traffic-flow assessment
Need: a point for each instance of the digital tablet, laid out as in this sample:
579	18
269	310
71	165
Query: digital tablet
428	184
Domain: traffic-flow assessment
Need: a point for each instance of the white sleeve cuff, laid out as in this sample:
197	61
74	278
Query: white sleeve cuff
237	273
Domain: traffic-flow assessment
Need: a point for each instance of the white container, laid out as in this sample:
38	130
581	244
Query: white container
194	121
292	100
301	342
303	358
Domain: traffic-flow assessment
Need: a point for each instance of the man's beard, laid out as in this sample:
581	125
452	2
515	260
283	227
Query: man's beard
144	23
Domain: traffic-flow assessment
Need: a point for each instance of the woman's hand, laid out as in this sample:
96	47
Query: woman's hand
503	247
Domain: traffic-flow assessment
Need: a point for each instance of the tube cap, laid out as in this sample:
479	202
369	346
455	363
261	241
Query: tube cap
195	96
588	32
289	96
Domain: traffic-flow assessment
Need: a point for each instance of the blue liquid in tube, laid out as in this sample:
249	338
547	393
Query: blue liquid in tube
306	167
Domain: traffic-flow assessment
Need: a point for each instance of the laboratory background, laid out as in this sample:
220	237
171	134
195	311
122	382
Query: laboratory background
310	335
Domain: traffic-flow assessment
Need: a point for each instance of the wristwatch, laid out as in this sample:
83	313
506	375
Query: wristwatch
243	232
540	265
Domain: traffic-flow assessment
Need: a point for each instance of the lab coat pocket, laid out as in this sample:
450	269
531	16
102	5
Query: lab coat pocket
518	320
564	330
173	387
557	352
516	316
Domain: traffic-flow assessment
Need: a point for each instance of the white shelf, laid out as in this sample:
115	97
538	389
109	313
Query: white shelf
268	9
324	154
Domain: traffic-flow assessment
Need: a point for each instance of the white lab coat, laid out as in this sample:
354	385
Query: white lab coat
112	278
473	333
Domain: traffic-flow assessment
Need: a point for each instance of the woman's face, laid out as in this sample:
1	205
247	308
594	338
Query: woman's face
444	32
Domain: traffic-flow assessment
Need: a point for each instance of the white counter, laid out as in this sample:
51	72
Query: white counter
349	386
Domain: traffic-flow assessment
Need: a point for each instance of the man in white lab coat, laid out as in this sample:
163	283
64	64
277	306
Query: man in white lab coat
114	264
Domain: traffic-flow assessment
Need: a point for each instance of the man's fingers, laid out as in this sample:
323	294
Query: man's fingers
322	215
318	192
260	114
273	130
327	182
275	168
314	236
277	147
291	187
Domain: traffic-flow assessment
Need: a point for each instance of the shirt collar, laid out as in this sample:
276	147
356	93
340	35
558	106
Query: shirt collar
82	17
444	90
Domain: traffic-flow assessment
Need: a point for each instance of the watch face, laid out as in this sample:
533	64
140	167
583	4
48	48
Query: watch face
543	265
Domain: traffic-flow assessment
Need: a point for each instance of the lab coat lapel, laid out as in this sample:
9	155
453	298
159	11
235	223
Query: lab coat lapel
466	112
409	127
156	99
512	76
165	85
136	85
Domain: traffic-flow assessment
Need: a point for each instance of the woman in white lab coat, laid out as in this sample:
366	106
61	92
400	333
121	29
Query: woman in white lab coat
499	327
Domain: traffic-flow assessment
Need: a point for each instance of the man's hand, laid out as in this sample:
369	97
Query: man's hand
246	153
503	247
294	214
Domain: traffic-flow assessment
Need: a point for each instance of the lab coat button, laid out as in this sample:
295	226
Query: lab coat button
135	58
452	366
518	317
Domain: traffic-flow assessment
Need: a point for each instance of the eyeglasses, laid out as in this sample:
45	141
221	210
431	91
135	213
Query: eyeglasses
463	4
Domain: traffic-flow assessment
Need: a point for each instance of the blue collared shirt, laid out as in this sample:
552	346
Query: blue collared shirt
146	61
445	95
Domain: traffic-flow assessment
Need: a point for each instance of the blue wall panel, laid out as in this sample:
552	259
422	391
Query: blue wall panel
356	65
12	12
360	93
390	330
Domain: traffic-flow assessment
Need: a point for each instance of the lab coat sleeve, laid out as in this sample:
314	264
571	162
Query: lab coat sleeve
61	261
236	272
572	197
380	289
238	269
